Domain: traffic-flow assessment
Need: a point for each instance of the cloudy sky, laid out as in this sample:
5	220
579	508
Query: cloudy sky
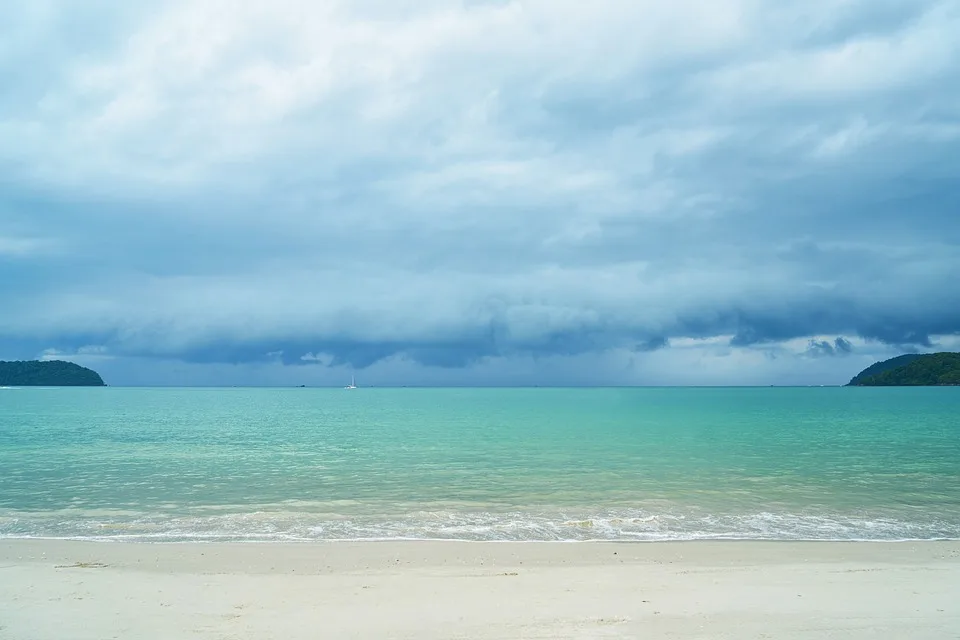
479	192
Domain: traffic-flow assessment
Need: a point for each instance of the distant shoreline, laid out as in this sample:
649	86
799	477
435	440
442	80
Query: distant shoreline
371	387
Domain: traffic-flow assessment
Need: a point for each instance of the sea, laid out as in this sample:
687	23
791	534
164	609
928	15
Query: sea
624	464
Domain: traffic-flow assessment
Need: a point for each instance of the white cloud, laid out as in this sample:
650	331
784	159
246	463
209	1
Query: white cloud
20	247
517	181
868	64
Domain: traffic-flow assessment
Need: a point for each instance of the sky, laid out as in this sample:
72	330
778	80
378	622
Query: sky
479	192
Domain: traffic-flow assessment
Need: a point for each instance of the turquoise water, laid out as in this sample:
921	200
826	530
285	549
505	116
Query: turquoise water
480	464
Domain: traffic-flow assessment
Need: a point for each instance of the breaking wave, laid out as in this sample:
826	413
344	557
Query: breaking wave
621	525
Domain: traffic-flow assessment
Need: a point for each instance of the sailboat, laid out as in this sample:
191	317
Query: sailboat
353	383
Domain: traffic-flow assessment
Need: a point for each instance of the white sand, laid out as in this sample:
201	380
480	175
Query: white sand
494	590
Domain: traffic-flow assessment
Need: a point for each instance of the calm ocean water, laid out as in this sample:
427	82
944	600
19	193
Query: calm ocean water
480	464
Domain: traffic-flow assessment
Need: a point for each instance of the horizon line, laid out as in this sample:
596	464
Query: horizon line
340	387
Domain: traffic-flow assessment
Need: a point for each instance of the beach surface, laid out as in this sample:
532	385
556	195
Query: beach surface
51	589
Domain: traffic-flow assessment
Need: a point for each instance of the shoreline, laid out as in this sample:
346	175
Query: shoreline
441	589
172	540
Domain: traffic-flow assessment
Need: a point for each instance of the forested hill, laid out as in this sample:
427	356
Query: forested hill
912	370
47	373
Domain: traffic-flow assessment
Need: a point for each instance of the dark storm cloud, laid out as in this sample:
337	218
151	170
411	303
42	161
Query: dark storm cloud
820	348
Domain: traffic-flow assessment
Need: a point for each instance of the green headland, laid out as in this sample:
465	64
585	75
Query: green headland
911	370
47	373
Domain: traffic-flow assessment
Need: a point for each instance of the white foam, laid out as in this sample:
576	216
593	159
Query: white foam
480	526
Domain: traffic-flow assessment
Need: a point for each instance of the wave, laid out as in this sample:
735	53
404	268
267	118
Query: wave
483	526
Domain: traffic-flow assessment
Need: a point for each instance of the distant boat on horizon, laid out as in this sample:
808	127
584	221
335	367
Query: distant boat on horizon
353	383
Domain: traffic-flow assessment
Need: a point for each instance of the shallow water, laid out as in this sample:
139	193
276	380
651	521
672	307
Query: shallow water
481	464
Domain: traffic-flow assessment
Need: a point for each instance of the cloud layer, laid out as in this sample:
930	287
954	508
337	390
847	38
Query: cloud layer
480	192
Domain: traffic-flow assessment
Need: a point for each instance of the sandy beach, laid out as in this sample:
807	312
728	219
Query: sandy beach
85	590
